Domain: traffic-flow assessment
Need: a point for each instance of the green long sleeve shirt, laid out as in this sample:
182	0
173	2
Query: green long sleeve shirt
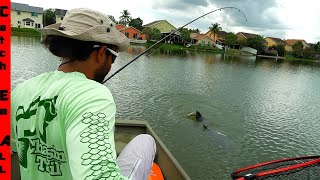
62	126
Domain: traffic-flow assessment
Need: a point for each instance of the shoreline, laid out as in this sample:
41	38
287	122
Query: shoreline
25	32
174	47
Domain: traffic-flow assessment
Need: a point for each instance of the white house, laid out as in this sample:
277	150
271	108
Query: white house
60	13
25	16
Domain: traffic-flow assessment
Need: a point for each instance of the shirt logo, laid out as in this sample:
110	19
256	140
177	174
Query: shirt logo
48	159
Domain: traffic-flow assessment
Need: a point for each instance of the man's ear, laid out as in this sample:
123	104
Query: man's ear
101	54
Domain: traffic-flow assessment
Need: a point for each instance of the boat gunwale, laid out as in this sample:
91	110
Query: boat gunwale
141	123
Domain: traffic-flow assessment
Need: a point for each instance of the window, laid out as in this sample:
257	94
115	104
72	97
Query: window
135	36
61	18
34	14
19	22
127	34
28	23
32	24
18	12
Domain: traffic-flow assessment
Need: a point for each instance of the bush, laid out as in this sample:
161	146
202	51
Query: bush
279	48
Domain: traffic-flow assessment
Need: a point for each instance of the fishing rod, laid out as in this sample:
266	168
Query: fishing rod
231	7
148	55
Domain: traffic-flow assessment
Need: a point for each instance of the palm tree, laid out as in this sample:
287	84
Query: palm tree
125	17
214	29
112	19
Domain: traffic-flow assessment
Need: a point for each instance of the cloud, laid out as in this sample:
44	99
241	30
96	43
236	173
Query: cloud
178	4
261	14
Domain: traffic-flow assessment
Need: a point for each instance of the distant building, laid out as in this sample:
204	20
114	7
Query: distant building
291	42
166	28
25	16
271	41
60	13
192	35
243	35
131	32
163	25
203	40
220	37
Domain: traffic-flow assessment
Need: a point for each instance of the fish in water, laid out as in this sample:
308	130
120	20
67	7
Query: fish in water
221	140
196	116
204	126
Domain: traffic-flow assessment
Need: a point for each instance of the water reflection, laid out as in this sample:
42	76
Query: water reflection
25	40
135	49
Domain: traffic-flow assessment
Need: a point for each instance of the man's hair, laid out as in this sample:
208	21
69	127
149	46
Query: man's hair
72	49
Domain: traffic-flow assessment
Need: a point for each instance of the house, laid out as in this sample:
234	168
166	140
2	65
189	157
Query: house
163	25
243	35
120	26
192	35
220	36
271	41
133	34
203	40
291	42
166	28
60	13
25	16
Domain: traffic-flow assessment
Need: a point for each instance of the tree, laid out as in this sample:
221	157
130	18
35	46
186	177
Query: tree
279	48
243	43
152	33
185	35
256	43
309	53
195	31
113	19
317	47
230	39
125	17
136	23
49	17
214	29
297	49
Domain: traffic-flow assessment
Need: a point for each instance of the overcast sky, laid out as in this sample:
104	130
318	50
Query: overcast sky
285	19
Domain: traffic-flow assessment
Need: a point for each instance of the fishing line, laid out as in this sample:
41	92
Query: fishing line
170	35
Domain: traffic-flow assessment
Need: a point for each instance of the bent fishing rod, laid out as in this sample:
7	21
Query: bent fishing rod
169	36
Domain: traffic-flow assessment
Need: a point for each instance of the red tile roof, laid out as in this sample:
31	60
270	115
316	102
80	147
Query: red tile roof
291	42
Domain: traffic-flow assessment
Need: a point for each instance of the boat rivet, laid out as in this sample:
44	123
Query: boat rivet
111	25
101	21
108	29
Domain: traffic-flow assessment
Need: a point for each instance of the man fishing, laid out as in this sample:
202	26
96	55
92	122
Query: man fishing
63	121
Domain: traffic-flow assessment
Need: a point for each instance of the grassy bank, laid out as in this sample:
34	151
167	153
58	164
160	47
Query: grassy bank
175	47
289	57
24	32
235	52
